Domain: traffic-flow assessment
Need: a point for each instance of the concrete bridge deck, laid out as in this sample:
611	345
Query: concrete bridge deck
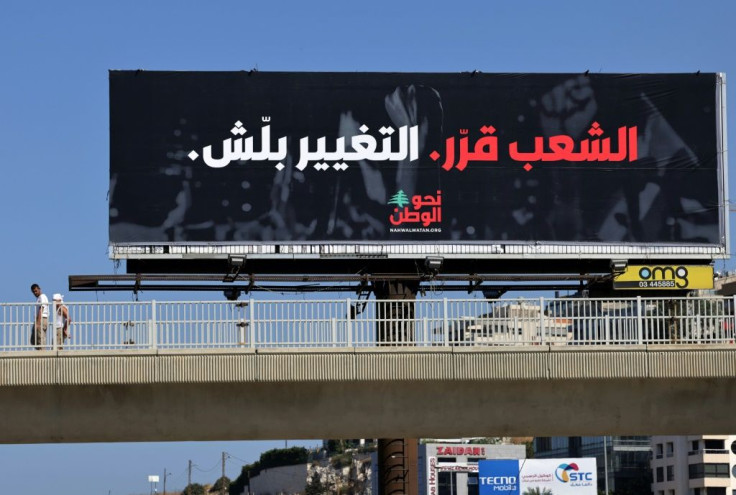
379	392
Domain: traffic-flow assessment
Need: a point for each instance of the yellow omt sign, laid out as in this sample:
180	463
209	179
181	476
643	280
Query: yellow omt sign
672	277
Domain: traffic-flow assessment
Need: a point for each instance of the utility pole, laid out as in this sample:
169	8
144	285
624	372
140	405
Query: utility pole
165	481
222	480
189	479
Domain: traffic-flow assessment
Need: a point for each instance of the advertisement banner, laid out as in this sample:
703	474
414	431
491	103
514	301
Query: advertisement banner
669	277
528	476
250	158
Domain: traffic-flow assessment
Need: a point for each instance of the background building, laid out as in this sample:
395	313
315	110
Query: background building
622	461
694	465
451	468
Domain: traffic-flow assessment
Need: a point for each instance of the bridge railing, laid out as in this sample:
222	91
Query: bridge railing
262	324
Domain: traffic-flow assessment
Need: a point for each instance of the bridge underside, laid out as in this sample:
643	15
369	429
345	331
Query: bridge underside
248	395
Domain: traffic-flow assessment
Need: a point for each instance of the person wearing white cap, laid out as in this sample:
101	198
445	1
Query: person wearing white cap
62	320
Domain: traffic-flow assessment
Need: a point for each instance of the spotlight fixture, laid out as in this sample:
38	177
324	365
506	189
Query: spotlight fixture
618	266
433	264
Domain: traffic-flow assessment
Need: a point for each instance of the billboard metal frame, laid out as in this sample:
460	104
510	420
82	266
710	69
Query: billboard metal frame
150	257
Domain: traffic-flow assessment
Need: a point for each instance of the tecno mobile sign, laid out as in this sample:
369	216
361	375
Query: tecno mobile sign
557	476
383	163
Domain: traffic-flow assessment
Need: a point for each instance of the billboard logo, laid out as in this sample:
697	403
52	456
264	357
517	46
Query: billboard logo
678	275
498	477
567	473
499	483
672	277
416	214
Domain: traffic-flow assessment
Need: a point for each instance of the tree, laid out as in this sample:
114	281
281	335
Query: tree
537	491
194	489
222	481
315	486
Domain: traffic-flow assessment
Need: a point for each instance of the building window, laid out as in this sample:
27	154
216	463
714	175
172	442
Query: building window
714	445
446	483
670	473
694	448
715	490
473	488
708	470
670	492
660	474
544	444
670	449
659	450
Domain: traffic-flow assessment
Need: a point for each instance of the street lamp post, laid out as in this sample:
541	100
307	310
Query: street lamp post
166	473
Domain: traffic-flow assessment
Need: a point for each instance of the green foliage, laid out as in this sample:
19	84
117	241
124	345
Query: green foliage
194	489
224	480
269	459
529	449
237	486
283	457
537	491
314	486
341	460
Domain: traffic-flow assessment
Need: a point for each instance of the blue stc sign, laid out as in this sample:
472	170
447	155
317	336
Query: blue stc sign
498	477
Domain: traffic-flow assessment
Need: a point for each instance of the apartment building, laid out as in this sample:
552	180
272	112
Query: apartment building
694	465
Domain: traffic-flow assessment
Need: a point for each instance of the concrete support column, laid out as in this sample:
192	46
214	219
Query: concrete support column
397	457
398	466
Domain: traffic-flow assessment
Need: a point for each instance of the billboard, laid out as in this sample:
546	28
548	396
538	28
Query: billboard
526	476
409	164
667	277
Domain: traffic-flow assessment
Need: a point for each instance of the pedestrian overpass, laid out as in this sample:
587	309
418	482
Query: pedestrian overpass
255	369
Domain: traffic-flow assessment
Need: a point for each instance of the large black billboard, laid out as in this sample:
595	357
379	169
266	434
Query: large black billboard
251	158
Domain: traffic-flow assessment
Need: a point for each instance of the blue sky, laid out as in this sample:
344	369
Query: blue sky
54	62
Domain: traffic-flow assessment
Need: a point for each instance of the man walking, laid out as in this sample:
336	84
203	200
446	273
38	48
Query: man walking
41	322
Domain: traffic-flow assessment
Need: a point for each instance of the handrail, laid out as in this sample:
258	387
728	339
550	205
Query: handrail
340	323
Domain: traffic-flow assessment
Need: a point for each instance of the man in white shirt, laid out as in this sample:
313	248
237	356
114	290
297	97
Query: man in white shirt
41	318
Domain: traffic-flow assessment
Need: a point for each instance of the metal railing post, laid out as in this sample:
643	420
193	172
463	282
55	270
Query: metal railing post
152	333
53	326
241	323
251	323
639	321
732	326
541	321
348	323
445	326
